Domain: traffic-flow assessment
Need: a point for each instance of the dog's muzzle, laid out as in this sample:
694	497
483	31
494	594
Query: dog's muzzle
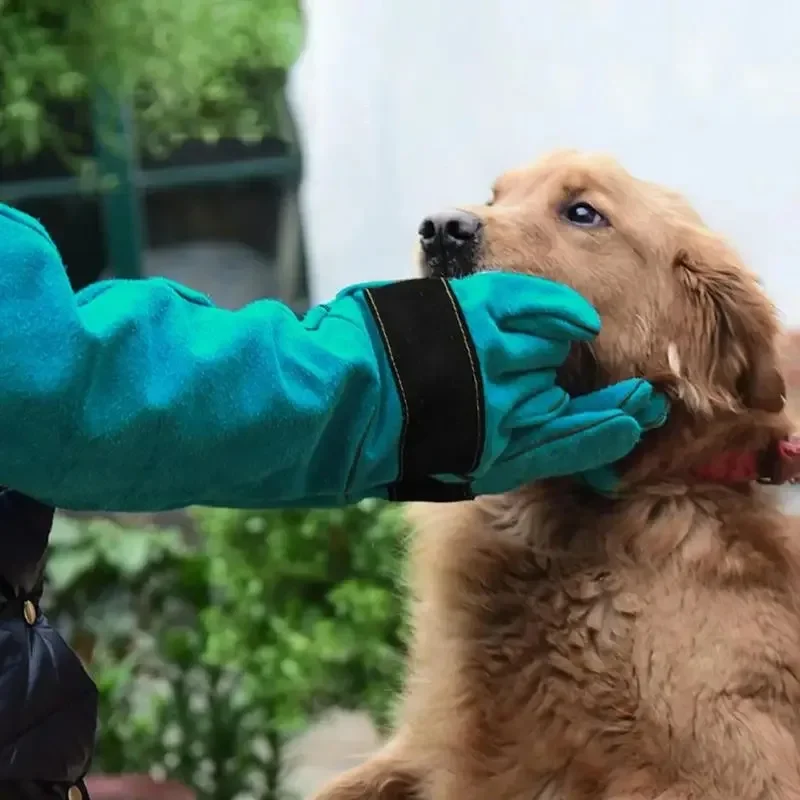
450	243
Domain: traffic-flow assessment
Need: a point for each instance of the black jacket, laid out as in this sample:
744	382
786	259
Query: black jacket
48	703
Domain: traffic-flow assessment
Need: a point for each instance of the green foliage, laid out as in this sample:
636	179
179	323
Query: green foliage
187	66
209	659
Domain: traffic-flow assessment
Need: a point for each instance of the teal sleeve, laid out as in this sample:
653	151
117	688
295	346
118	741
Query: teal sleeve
141	395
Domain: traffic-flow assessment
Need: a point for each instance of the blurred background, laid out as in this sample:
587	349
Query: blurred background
261	148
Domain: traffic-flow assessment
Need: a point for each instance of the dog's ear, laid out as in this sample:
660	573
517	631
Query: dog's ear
762	386
737	326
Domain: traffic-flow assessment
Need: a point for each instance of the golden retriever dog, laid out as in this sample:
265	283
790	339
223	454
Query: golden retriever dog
570	645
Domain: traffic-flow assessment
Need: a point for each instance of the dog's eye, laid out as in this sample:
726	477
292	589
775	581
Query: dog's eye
584	215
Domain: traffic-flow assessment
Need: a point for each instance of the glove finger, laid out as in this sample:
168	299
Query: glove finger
514	354
610	436
571	444
529	304
540	402
635	397
552	322
650	409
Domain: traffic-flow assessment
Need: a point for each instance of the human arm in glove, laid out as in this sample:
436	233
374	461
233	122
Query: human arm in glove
141	395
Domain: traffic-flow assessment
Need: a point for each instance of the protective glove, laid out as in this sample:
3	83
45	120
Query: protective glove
142	395
474	362
599	428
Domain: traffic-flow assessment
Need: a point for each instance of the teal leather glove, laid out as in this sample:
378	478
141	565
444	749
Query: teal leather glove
141	395
492	343
604	425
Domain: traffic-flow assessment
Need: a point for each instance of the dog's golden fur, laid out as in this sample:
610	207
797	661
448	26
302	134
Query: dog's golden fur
570	646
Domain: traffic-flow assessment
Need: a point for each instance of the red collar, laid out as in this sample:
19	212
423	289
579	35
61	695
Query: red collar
779	464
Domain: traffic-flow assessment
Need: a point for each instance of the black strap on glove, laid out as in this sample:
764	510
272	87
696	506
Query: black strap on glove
438	378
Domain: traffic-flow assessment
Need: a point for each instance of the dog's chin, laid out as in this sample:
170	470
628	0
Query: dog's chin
442	266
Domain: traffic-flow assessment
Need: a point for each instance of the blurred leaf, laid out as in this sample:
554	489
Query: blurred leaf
200	653
198	68
129	552
67	565
66	532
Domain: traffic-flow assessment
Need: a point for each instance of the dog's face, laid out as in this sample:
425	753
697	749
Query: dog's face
677	305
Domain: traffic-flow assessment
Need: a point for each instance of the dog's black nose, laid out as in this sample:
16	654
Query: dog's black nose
448	231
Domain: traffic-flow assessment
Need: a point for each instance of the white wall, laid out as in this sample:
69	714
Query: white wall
408	105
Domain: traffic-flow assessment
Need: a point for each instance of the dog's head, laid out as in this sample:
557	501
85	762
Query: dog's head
677	304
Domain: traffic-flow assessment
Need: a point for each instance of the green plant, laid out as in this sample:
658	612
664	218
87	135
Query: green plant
187	67
308	612
128	601
209	659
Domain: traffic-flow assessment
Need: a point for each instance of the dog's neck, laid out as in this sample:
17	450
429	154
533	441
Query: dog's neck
667	500
777	465
693	475
728	450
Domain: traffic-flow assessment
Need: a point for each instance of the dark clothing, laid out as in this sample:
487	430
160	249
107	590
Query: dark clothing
48	703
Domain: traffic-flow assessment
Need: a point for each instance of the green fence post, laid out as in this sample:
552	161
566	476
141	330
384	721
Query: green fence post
121	204
289	255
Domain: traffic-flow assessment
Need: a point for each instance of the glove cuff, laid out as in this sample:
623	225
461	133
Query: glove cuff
438	378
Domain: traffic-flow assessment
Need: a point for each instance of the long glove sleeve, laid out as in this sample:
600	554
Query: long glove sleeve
141	395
